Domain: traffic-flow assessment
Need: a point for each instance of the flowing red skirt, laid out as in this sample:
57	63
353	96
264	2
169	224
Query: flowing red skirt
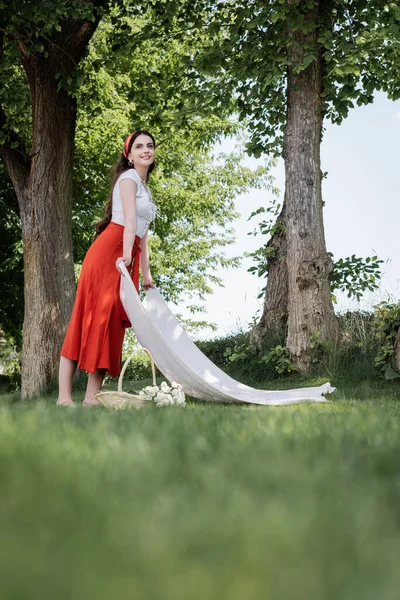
96	330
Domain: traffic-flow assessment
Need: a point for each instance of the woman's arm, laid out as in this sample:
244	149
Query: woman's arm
144	262
127	188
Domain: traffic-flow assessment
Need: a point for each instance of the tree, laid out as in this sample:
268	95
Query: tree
111	91
289	65
309	304
43	42
352	275
348	49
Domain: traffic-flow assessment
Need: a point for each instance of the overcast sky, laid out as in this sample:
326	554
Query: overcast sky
362	212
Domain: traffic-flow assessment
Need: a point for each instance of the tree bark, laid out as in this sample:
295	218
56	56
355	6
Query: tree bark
273	320
49	283
43	184
310	308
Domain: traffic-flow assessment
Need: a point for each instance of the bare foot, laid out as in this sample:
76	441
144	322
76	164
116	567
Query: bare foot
91	402
64	402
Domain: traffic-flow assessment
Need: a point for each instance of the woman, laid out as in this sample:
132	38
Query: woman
95	334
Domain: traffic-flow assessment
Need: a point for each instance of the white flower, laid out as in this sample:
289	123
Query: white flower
164	395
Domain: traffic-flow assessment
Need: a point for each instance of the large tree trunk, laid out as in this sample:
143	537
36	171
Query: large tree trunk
310	309
43	183
49	283
274	317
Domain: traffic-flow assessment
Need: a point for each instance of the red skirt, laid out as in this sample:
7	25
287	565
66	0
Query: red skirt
96	330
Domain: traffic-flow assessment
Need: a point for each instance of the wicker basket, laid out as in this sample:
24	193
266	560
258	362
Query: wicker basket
120	399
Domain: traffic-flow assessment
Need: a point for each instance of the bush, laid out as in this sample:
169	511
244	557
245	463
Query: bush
216	349
234	355
352	357
386	324
10	364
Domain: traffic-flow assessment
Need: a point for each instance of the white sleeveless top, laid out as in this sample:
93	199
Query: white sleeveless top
145	207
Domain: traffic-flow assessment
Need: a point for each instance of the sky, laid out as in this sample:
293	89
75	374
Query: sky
361	215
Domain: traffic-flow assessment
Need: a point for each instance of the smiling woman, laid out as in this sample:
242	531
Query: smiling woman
95	334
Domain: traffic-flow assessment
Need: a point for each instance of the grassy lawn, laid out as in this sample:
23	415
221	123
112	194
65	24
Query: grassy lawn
207	502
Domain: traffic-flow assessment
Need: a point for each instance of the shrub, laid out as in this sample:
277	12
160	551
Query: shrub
386	325
10	363
352	355
279	358
234	355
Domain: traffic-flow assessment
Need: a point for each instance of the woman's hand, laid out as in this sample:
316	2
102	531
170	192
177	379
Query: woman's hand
123	259
148	282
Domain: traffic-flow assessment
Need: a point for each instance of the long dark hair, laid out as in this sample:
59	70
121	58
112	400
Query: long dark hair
122	166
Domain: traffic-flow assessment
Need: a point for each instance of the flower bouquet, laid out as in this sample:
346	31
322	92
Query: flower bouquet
164	395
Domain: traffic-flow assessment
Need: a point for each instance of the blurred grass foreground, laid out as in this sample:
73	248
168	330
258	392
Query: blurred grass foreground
206	502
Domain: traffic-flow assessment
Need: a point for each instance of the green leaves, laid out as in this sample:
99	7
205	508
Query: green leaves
386	324
246	52
355	275
193	190
279	358
143	83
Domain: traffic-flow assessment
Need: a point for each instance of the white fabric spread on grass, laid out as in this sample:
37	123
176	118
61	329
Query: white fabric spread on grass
179	359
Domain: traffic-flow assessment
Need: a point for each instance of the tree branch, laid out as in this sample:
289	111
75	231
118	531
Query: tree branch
13	151
13	155
71	43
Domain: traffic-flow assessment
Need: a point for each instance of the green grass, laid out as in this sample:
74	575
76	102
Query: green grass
207	502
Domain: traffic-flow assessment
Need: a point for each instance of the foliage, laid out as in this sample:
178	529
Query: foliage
117	91
355	275
269	226
386	325
11	263
10	362
193	189
249	54
279	358
219	349
349	358
235	355
320	347
238	353
37	29
204	60
244	51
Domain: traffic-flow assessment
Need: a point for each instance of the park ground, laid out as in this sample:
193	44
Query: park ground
204	502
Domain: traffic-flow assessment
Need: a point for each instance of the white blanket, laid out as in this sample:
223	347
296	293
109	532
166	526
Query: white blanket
179	359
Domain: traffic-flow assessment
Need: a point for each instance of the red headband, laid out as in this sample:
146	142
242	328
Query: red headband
126	144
